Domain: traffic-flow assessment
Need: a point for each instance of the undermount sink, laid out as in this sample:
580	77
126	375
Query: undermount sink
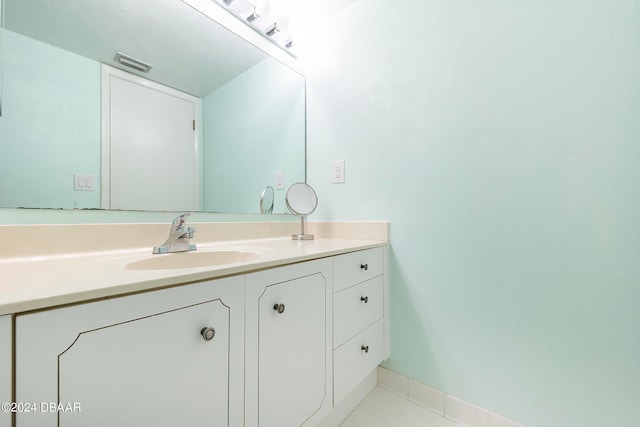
191	260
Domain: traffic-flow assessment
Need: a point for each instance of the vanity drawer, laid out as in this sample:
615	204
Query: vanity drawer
355	308
351	363
356	267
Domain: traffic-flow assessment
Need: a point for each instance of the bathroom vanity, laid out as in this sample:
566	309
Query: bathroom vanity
286	337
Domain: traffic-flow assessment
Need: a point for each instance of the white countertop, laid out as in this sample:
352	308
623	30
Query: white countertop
32	283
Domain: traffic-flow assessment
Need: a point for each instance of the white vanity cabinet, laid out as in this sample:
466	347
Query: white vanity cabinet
5	369
163	358
288	345
360	302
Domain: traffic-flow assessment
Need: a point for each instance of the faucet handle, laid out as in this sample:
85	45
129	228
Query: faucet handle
188	232
180	221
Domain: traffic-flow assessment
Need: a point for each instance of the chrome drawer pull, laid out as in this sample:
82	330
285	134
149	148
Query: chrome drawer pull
365	299
365	267
208	333
365	348
279	308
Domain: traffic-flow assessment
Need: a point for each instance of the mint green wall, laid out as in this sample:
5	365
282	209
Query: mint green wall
1	52
502	141
48	114
238	114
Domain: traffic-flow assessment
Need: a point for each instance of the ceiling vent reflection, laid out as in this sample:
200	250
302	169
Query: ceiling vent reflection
130	62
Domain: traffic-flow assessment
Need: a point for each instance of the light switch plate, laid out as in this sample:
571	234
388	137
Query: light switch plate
279	180
337	172
84	182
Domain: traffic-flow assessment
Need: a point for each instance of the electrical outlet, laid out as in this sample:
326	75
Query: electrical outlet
337	172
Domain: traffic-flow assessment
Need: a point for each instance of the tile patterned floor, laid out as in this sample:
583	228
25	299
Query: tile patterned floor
384	408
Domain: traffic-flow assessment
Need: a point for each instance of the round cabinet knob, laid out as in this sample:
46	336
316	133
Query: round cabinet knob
365	299
365	348
365	267
279	308
208	333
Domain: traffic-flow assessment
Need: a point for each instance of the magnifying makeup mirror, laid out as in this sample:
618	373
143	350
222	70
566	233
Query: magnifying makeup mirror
266	200
301	200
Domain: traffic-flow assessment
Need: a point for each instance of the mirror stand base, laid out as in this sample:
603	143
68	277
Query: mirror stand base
302	236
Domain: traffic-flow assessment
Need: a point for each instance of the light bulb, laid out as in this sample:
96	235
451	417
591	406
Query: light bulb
282	22
242	8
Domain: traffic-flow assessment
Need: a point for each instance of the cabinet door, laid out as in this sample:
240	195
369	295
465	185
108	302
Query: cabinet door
110	363
288	345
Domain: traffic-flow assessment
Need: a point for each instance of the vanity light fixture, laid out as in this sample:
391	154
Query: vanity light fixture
283	38
130	62
260	9
265	24
256	14
242	8
279	33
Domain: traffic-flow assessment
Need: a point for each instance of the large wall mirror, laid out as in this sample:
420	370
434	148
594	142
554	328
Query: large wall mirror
251	125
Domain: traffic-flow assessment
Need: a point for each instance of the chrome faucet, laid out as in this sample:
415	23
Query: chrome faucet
178	240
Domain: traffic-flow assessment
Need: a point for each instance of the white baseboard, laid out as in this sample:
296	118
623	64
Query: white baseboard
446	405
